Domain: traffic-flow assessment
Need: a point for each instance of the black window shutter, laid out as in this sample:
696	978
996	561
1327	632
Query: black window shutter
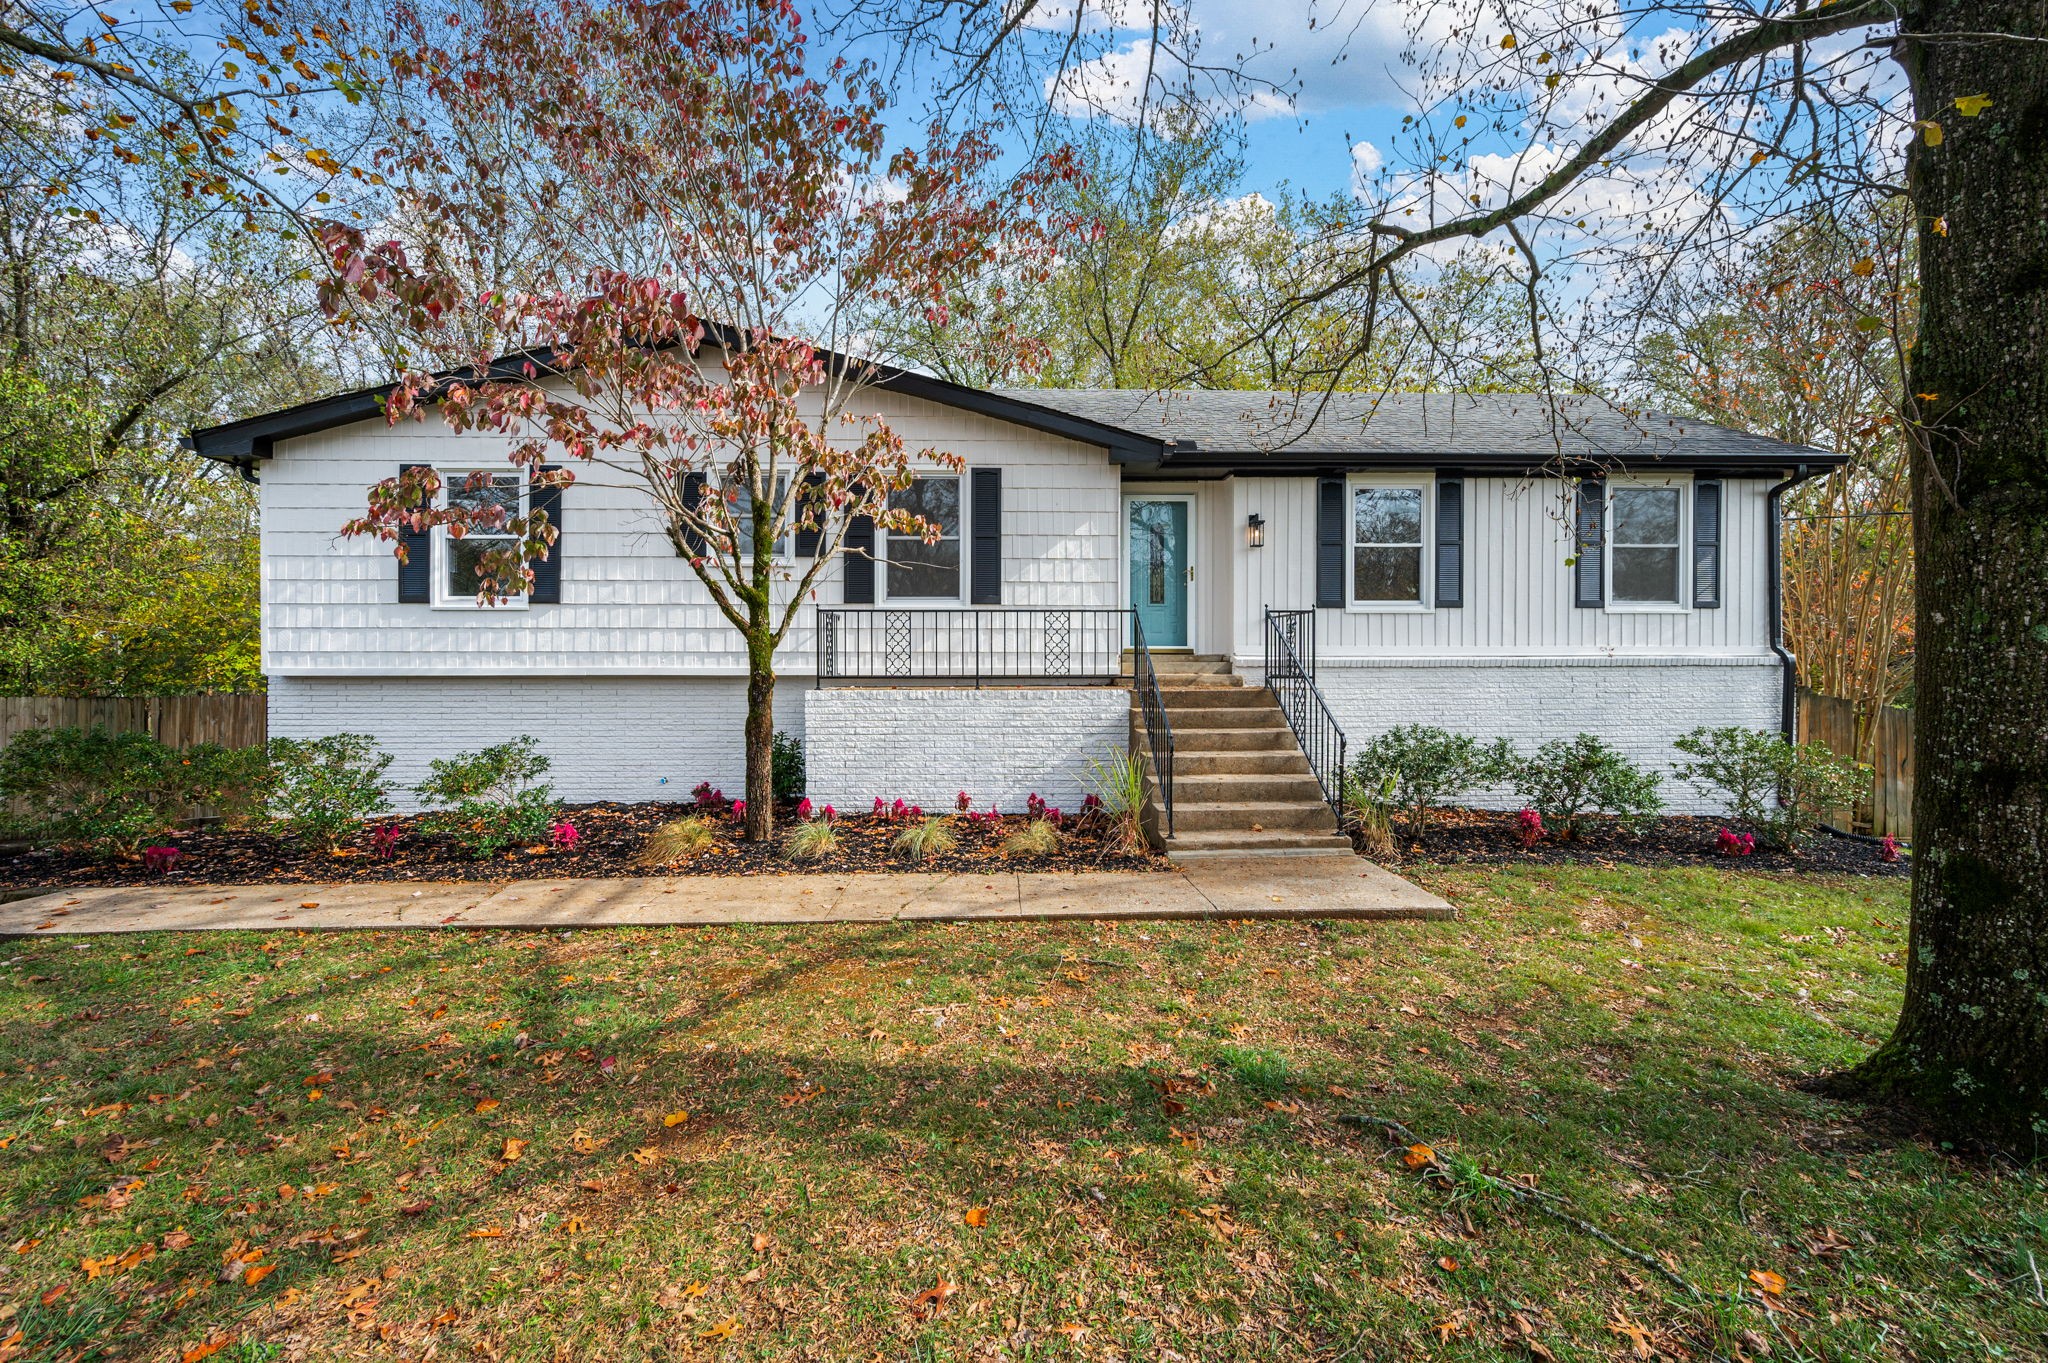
857	560
1450	540
1589	533
985	515
416	574
1329	542
547	573
810	504
1706	544
693	496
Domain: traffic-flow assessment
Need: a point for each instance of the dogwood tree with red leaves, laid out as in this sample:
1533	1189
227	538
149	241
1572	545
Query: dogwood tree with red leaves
651	292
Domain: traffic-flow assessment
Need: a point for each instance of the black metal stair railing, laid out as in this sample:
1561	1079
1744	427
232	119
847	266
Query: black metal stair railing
983	645
1158	728
1308	714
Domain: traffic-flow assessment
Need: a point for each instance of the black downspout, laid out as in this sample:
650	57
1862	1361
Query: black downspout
1788	698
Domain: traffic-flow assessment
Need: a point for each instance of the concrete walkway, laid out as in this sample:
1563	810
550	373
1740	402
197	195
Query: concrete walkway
1235	887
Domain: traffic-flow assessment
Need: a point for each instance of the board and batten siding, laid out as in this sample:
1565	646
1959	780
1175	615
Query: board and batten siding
1518	589
629	605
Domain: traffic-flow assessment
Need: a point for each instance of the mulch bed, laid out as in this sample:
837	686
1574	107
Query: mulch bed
611	835
1490	837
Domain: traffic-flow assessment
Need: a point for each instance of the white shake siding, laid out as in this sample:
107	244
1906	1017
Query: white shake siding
629	606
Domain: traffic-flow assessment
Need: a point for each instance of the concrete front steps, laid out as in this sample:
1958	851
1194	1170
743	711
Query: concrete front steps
1241	784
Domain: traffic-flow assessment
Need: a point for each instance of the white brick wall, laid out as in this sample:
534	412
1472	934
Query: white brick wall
609	738
923	745
1637	704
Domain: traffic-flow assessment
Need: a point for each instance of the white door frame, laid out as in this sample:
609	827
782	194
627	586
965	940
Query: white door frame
1194	582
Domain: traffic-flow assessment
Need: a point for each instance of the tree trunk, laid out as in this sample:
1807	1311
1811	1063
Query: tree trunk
1972	1038
760	820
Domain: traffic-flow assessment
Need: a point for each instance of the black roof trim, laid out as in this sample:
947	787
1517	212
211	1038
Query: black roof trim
243	443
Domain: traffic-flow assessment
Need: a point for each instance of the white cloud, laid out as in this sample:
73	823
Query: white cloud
1366	161
1295	57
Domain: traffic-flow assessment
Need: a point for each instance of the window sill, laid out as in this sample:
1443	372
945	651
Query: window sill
1389	608
519	605
1647	608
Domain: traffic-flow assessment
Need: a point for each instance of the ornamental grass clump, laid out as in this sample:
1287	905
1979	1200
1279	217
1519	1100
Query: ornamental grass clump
923	840
1039	838
1119	780
675	840
810	841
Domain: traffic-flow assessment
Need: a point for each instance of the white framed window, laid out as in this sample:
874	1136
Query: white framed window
458	559
911	569
743	519
1647	525
1388	567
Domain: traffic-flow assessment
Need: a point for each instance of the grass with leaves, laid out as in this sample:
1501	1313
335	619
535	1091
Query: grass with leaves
1030	1140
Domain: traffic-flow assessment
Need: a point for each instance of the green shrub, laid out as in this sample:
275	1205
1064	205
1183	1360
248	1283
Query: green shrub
1782	790
811	840
1567	779
923	839
236	782
105	792
1424	768
324	788
491	799
786	765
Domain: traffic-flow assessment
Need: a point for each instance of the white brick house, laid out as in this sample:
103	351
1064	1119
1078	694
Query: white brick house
1488	563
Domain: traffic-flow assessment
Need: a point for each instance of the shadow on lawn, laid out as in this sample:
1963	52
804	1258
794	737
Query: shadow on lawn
870	1126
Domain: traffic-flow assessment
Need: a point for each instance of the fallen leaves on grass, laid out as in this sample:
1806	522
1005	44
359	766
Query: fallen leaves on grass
1638	1337
206	1350
725	1329
646	1155
1418	1157
933	1299
675	1119
1773	1283
762	1240
976	1217
488	1105
514	1148
255	1275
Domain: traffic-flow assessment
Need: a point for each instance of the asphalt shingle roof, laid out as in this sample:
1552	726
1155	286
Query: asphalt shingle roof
1436	426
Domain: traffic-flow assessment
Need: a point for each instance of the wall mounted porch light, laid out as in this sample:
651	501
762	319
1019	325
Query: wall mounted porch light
1255	531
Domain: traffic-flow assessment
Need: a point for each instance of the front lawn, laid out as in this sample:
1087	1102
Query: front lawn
1061	1140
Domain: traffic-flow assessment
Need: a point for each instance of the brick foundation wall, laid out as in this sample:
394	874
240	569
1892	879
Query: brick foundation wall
1639	705
923	745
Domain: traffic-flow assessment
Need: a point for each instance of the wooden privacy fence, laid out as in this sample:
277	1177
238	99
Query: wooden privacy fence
1887	746
235	721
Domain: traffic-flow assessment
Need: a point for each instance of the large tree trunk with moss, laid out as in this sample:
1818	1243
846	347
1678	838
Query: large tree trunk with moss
760	818
1972	1039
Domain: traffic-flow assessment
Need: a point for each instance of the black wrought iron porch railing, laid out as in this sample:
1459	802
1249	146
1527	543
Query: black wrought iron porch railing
1308	714
1158	728
991	645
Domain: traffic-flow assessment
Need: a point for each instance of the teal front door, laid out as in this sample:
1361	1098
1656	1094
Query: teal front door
1159	568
